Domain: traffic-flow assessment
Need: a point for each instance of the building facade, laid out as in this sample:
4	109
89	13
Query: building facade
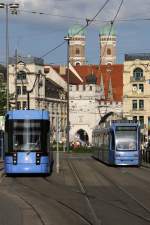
30	79
136	90
99	92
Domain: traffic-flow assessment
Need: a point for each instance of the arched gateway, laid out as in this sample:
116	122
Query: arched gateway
82	137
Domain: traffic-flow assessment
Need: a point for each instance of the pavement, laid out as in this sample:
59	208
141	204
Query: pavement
1	167
146	164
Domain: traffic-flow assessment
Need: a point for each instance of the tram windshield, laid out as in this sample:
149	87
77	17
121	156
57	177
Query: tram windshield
126	138
28	135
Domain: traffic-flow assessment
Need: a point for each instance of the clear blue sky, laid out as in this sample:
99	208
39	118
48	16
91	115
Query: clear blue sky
35	33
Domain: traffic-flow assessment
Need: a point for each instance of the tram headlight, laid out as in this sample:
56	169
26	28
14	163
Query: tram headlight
38	158
14	156
14	162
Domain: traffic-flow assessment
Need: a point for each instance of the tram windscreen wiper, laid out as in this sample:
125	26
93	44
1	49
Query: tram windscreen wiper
28	152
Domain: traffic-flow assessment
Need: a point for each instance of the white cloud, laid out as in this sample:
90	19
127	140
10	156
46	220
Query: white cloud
50	29
81	9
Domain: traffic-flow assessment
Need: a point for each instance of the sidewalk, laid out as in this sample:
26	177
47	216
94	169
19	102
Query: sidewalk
146	164
1	167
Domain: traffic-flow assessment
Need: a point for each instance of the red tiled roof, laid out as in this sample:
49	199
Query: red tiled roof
113	72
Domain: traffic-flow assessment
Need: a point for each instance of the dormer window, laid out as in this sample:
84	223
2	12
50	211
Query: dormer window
138	74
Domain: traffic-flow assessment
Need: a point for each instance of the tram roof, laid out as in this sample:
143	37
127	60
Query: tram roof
111	124
28	114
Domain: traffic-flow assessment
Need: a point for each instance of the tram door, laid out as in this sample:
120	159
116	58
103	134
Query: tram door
112	148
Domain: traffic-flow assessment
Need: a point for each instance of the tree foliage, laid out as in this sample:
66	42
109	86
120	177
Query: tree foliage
3	95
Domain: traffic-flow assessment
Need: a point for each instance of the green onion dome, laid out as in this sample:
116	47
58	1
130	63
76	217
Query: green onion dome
108	30
76	30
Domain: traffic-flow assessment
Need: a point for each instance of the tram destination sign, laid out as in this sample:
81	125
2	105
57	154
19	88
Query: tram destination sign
124	128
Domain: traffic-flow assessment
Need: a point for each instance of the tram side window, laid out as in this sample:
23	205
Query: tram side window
97	144
106	141
100	140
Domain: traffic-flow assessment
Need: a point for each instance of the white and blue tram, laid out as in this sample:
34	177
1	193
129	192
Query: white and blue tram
117	143
27	149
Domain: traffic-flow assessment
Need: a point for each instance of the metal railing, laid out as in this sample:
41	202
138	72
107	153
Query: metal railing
137	79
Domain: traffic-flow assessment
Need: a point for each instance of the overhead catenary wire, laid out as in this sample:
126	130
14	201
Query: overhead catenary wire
83	28
84	18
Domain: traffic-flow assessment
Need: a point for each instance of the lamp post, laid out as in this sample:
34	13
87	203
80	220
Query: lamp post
67	38
13	7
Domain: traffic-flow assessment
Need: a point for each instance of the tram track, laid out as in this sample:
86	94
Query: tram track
59	202
82	187
127	193
31	207
34	209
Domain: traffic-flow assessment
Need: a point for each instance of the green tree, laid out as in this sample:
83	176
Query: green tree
3	95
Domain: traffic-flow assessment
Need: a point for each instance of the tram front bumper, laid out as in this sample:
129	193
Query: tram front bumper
26	168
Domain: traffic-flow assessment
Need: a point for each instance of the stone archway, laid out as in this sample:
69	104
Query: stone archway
82	136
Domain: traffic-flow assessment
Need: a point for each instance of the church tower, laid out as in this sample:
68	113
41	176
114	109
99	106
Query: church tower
107	38
77	45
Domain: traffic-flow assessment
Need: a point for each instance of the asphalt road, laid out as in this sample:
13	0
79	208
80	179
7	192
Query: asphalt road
84	191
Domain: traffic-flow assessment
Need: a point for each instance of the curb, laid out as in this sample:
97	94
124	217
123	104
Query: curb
147	165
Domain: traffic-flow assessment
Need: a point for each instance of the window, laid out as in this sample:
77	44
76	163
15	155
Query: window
126	138
141	104
77	51
138	73
135	118
18	90
24	90
21	75
77	63
141	87
134	104
108	51
70	87
18	105
134	87
141	119
138	88
24	105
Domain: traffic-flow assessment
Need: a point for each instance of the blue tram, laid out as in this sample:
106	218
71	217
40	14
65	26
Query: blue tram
117	143
27	149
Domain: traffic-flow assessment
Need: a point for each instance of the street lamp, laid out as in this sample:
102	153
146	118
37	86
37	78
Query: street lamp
67	38
13	7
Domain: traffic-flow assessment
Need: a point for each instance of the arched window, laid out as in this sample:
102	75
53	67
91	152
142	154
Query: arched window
77	63
77	51
138	73
108	51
